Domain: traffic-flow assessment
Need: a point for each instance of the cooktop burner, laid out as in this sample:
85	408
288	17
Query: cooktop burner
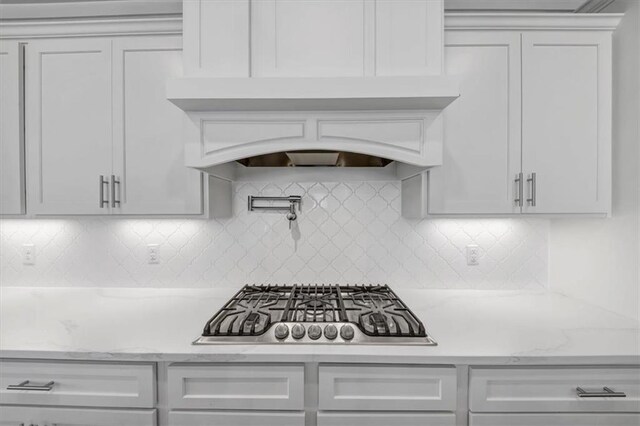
360	314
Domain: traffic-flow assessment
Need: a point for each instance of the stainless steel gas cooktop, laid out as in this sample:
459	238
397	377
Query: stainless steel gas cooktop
330	314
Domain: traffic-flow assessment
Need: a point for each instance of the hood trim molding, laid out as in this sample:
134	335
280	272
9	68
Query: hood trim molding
411	137
313	94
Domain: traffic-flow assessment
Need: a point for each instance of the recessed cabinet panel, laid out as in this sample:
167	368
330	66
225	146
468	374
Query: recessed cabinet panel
11	137
386	419
307	38
148	147
77	383
387	388
481	128
553	389
566	129
236	386
68	133
235	418
407	36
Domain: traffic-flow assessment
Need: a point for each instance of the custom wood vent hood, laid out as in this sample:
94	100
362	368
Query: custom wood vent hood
280	77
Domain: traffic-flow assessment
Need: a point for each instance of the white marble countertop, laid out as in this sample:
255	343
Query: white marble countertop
470	326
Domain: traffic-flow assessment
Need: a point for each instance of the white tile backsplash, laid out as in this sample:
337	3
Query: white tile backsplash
346	233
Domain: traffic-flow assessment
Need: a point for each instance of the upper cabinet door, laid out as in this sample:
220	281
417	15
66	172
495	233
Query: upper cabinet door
566	128
68	132
148	147
482	143
11	136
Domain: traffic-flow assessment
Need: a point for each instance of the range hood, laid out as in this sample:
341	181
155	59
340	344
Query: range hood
280	84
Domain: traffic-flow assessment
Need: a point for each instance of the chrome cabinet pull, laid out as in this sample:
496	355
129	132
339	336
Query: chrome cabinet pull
605	393
115	202
103	182
519	184
532	181
27	386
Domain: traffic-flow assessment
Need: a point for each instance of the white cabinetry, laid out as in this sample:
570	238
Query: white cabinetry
482	128
148	148
42	393
11	132
566	126
554	396
68	133
101	136
46	416
531	131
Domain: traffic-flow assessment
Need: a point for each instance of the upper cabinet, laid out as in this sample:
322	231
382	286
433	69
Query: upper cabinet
11	129
148	152
482	128
101	136
566	127
531	131
68	132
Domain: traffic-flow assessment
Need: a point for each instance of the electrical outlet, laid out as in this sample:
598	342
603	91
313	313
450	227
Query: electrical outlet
152	254
28	254
473	255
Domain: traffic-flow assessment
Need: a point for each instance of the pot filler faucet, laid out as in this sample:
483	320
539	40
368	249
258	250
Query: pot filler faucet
290	209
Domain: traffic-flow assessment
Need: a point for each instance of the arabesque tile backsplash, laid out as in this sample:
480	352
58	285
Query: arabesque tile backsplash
347	232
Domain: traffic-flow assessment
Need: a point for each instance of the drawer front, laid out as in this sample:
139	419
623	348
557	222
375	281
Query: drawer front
236	386
30	415
565	419
78	383
552	389
386	419
387	388
230	418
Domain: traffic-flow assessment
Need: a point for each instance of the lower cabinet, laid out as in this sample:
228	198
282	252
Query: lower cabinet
48	416
555	419
231	418
386	419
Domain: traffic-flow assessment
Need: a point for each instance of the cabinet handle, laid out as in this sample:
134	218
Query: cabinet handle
26	386
103	182
605	393
532	182
115	202
519	183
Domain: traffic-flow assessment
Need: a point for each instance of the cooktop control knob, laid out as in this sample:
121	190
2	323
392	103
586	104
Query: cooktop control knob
315	332
282	331
330	332
297	331
346	332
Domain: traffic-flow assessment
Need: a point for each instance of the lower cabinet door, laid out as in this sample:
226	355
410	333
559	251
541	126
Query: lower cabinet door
586	419
386	419
48	416
231	418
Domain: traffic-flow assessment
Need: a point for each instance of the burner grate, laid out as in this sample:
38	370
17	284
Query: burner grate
375	309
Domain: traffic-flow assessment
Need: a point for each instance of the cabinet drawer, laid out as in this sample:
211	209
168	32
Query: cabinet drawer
78	383
30	415
236	386
387	388
590	419
230	418
386	419
552	389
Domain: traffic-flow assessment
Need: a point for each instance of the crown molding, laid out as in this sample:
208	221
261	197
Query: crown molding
532	21
90	27
511	5
52	9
